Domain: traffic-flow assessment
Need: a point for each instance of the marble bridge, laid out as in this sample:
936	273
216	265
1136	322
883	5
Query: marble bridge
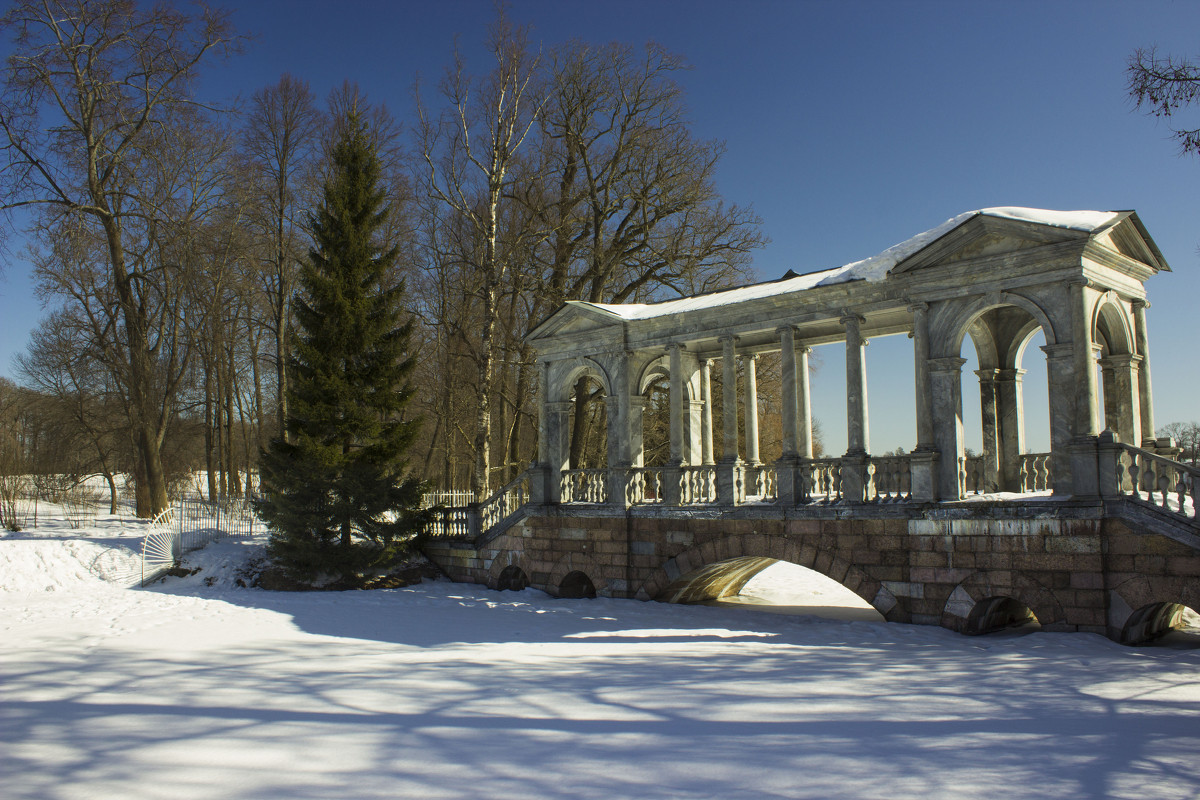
1099	534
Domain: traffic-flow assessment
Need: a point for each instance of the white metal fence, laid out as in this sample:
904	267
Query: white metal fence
189	526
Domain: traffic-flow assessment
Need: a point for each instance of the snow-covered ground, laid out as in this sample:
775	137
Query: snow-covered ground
196	688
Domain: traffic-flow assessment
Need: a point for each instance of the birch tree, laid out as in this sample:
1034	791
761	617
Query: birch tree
468	154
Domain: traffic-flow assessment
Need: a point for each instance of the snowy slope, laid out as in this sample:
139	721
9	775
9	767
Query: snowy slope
188	690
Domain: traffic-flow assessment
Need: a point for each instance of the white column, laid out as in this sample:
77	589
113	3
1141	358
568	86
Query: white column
1086	394
787	353
920	336
729	416
945	378
804	443
1145	394
706	434
1122	412
857	431
751	410
677	404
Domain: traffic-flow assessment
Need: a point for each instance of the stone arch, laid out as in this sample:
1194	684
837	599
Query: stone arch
986	348
1137	608
983	586
654	370
576	585
512	578
752	553
1111	327
997	613
581	563
505	560
947	342
577	369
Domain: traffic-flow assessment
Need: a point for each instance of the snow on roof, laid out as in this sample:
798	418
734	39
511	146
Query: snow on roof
874	268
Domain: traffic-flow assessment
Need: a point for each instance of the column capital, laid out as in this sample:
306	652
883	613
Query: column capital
707	362
728	338
1015	374
1123	360
752	357
674	346
1059	352
1141	304
916	306
946	364
988	375
782	329
1082	282
849	317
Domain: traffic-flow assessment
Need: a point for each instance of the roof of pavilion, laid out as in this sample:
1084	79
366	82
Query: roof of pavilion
896	259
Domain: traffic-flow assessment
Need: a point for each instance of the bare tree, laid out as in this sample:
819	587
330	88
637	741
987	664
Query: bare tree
281	141
625	192
94	90
1165	86
62	363
1187	438
468	154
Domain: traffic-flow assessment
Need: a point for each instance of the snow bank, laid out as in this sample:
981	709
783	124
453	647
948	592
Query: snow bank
203	689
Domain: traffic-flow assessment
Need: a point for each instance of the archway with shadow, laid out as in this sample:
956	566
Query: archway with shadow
769	585
1164	624
999	614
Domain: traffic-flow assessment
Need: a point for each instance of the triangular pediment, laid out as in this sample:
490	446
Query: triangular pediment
983	236
574	318
1129	238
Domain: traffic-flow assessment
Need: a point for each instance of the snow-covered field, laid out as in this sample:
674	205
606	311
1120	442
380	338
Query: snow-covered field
196	688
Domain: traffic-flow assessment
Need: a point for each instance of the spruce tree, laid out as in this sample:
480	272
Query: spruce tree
336	493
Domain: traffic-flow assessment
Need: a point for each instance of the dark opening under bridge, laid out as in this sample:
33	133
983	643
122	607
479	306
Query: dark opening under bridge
1100	534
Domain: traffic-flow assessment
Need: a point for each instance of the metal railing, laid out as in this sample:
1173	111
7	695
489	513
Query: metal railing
190	525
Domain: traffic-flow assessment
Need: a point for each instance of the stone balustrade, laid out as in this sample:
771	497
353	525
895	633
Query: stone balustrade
697	485
644	486
890	479
1151	478
1036	475
584	486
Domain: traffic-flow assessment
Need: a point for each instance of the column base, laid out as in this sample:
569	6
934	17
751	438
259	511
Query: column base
788	492
1085	475
855	480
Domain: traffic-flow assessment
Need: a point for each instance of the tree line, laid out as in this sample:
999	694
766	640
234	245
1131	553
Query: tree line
166	233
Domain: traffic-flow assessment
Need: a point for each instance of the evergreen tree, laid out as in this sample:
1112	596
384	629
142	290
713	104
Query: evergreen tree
337	495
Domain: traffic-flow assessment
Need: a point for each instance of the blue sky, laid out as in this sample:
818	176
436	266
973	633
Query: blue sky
850	126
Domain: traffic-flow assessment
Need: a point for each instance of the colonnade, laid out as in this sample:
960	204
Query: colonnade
1094	326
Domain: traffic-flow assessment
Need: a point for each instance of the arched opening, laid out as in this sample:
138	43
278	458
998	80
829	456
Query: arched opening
1006	443
1117	377
1000	613
656	420
589	424
576	585
512	578
769	585
1170	624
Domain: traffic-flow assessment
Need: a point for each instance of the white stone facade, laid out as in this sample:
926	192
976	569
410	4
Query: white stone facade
998	276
